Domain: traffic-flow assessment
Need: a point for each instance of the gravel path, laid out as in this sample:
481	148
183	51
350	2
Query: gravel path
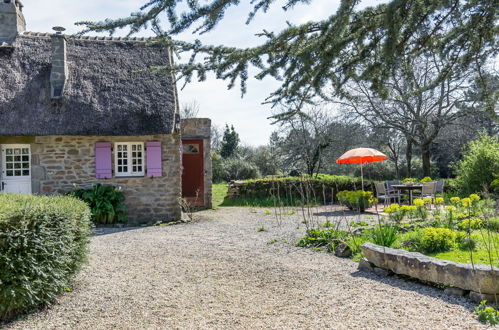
219	272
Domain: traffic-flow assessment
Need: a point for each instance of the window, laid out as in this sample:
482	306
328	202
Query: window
17	162
129	159
191	148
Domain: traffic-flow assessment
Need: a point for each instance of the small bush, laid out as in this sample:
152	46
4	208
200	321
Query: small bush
471	224
426	179
106	202
238	169
384	235
43	243
437	239
480	165
356	200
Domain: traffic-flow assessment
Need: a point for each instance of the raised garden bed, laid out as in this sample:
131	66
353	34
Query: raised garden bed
481	281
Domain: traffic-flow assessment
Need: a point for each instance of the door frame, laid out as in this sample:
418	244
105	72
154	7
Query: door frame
4	180
200	200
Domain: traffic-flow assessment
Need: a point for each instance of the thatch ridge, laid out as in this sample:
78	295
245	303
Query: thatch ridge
105	94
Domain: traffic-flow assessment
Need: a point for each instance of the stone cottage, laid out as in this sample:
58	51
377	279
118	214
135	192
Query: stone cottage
80	111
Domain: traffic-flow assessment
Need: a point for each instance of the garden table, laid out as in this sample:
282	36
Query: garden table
410	188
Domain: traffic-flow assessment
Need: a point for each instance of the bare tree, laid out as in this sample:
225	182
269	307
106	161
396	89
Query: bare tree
216	136
304	138
413	106
189	110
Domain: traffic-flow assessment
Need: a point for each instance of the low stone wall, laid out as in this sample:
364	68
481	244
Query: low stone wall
481	281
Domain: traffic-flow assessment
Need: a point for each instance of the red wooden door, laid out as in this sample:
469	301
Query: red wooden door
193	171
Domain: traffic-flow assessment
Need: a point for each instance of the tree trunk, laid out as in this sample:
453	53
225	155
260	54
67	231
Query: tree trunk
425	153
408	156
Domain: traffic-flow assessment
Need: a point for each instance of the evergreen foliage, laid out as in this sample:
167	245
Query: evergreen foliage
480	165
43	243
230	143
310	58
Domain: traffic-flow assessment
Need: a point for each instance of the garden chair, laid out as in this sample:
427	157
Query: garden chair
381	193
439	190
389	187
428	190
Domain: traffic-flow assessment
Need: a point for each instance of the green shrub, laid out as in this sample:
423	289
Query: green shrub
426	179
43	243
238	169
493	224
106	202
384	235
356	200
480	165
437	239
471	224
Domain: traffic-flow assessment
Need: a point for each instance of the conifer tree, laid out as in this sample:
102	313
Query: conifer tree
230	143
310	58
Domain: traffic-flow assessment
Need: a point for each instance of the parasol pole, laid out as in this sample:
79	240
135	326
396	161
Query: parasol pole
362	176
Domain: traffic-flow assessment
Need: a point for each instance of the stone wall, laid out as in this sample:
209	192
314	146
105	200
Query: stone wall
64	163
200	129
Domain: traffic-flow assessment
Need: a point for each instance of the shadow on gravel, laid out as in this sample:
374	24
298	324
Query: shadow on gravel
343	213
108	231
411	284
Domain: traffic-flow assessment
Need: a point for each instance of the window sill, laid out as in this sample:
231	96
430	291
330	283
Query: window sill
129	177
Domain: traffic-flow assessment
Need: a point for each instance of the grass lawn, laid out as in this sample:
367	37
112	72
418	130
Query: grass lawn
481	255
219	193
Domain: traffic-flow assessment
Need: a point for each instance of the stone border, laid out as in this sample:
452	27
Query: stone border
481	281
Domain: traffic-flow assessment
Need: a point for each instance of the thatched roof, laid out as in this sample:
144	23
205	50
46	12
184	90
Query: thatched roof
104	94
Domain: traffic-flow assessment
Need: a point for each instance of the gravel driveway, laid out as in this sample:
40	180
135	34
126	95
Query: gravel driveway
219	272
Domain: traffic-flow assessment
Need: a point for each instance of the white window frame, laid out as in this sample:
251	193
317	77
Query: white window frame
129	158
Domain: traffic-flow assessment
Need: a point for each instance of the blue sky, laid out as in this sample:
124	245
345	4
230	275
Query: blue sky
248	115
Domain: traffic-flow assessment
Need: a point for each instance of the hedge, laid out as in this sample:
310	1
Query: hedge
318	188
43	243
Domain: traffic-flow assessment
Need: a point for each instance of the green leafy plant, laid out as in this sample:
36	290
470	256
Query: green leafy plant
356	200
384	235
260	229
426	179
487	314
437	239
471	224
480	165
407	180
106	202
43	243
319	238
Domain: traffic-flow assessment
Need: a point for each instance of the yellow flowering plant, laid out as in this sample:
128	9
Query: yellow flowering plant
439	200
418	202
455	200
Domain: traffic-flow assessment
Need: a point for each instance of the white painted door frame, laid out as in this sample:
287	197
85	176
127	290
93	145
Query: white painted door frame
15	164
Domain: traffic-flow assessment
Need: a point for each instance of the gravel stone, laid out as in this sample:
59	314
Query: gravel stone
220	272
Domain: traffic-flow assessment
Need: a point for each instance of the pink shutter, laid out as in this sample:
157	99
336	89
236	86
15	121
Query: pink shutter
103	164
154	164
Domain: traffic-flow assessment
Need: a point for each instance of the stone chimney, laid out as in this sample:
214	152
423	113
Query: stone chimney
12	21
59	71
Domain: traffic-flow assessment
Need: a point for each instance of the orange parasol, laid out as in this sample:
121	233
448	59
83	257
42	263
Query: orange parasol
361	156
